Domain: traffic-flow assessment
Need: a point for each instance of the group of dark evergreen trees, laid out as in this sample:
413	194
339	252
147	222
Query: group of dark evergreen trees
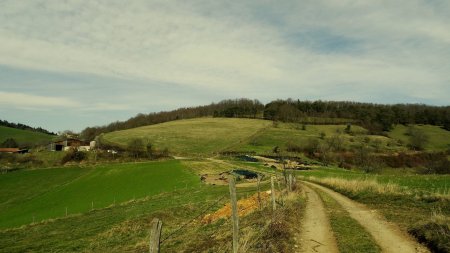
25	127
375	117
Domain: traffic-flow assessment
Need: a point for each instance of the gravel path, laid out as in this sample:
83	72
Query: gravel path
387	235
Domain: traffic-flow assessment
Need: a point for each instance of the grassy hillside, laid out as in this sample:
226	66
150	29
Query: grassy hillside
23	137
210	135
439	139
287	133
46	193
193	136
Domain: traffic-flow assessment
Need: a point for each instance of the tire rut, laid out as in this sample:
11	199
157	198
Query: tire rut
387	235
316	234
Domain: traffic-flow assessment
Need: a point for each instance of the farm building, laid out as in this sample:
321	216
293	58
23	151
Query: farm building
13	150
64	145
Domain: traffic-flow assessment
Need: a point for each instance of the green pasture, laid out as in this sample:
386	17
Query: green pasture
424	183
289	133
46	193
193	136
23	137
439	138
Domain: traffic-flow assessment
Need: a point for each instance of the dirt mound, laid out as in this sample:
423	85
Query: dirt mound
245	206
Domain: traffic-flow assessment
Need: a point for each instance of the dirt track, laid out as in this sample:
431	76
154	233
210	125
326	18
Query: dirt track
387	235
316	234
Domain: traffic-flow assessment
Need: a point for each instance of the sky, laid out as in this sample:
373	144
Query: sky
71	64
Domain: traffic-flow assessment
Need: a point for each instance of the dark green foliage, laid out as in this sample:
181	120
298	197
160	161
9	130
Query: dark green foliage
136	147
24	127
434	234
292	147
417	139
312	146
74	155
348	128
375	117
9	143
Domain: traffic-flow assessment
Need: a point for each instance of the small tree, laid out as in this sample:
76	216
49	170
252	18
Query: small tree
348	128
149	149
136	147
10	143
322	135
417	139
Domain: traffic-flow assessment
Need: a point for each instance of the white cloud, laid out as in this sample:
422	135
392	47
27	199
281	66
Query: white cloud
238	48
27	101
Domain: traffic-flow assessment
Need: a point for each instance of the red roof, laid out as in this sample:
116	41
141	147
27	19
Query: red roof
9	150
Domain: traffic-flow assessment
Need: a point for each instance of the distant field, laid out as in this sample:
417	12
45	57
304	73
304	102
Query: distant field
424	183
439	139
23	136
288	133
193	136
46	193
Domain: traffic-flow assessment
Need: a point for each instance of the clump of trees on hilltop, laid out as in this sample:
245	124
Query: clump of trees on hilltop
239	108
375	117
25	127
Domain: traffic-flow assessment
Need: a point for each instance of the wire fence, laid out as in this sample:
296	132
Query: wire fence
204	212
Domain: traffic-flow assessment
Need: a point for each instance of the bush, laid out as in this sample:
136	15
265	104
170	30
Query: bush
291	147
417	138
435	235
74	155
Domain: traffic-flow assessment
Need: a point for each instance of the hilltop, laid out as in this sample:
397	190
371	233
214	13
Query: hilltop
24	137
215	135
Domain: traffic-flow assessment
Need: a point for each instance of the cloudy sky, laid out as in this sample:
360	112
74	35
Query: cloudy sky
70	64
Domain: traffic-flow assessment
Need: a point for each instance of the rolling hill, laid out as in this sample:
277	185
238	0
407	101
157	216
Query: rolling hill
24	137
205	136
193	136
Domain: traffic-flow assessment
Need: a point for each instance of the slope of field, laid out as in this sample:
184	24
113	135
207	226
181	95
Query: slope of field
23	137
439	139
46	193
287	133
193	136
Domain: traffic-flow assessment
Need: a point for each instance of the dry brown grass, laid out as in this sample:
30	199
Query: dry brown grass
357	186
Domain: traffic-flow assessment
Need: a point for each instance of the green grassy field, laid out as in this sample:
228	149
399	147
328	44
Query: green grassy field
205	136
402	178
170	190
23	136
439	139
193	136
288	133
46	193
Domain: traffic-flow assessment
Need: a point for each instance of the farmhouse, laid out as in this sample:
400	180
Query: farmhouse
66	144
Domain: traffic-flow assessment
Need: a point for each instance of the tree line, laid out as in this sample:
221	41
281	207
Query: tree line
25	127
239	108
374	117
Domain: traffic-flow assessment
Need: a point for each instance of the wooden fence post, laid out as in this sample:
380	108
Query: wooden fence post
259	192
155	234
290	182
234	216
273	193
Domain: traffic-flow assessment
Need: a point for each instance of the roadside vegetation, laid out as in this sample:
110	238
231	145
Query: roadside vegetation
415	202
350	235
